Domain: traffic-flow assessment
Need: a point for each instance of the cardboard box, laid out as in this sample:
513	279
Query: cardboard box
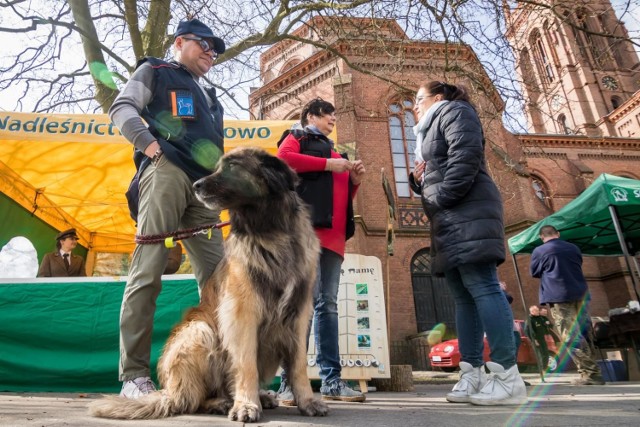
614	355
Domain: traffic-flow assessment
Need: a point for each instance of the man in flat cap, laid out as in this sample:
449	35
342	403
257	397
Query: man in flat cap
175	125
63	263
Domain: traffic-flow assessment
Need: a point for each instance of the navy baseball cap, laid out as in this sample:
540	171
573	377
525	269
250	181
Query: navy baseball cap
197	28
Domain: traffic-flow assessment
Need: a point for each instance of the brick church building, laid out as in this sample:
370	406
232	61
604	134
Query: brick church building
582	108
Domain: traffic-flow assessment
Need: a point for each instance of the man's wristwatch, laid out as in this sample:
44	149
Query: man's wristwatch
157	155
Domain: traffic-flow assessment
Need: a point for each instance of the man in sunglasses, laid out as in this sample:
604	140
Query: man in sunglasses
175	125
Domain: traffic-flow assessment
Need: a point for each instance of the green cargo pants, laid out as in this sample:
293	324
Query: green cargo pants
572	322
167	203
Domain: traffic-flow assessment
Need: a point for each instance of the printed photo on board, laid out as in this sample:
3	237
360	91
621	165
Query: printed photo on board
364	341
361	289
363	323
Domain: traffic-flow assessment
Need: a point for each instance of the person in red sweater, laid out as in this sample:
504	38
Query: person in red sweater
328	184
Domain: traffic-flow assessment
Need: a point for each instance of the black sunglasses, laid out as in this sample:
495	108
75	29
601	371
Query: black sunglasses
204	44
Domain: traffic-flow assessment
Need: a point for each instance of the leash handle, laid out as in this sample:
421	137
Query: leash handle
169	239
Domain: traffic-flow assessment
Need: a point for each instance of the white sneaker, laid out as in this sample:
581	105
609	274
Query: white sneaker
471	381
138	387
502	387
552	364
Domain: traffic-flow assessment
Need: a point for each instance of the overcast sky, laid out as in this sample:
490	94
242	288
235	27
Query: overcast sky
10	42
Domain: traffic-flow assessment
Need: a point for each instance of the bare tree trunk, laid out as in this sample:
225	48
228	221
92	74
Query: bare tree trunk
154	36
106	89
401	379
131	17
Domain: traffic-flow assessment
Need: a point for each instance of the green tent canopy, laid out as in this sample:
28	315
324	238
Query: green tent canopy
595	221
602	221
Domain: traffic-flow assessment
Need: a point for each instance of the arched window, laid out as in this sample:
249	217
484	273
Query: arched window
588	25
289	65
616	102
562	125
542	59
577	36
551	39
540	190
403	144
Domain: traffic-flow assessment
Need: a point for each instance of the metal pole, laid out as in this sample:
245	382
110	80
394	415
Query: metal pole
635	262
524	306
623	246
515	264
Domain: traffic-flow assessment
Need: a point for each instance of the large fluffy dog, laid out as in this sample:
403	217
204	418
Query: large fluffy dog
255	309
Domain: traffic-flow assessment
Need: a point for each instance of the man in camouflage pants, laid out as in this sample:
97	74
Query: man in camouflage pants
573	326
563	287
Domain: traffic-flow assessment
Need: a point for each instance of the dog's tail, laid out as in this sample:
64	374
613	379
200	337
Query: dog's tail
151	406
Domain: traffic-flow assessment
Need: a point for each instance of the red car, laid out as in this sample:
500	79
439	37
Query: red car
447	356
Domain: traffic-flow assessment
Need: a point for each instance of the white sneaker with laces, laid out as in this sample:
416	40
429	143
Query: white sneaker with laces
471	381
141	386
503	387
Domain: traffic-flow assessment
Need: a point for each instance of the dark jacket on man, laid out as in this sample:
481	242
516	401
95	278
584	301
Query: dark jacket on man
459	197
558	265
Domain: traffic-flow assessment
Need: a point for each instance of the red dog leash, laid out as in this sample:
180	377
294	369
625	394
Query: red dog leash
170	239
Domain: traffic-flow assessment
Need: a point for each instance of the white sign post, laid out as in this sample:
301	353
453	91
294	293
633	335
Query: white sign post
362	323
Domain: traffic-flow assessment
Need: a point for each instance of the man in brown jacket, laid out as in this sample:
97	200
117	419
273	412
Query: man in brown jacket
62	263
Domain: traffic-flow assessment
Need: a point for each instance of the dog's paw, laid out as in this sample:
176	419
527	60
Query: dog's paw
247	412
313	408
218	405
268	399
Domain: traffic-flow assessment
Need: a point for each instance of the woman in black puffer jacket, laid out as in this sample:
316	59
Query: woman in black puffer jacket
464	207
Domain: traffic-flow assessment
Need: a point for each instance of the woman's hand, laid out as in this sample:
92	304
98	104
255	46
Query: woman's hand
357	172
338	165
419	171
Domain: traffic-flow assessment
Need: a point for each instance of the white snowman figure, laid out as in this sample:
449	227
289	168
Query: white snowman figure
18	259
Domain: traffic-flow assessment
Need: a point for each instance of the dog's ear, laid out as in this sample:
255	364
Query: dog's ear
279	176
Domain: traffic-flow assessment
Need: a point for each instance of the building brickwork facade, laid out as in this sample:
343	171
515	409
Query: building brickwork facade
370	72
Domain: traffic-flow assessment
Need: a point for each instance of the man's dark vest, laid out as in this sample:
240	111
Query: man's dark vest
188	131
316	188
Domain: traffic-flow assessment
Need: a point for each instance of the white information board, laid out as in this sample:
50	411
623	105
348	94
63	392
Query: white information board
362	322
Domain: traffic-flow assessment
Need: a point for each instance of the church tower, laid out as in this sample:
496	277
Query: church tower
574	63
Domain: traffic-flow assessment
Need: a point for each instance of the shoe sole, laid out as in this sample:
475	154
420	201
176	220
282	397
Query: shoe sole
504	402
287	402
458	399
345	399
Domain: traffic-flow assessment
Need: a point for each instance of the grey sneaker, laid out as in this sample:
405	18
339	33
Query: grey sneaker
285	394
138	387
339	390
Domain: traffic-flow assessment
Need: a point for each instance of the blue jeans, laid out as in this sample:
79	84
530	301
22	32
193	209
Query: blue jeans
481	307
325	304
